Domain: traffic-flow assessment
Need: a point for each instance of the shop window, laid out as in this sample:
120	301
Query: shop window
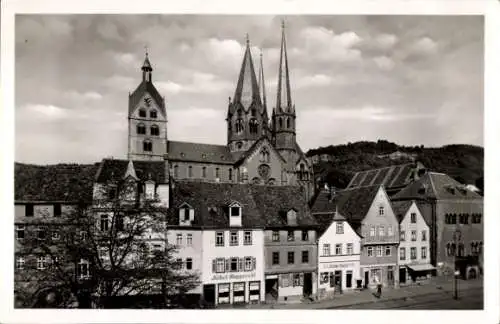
223	294
296	280
254	288
238	292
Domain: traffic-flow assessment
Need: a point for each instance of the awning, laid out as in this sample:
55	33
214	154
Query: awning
421	267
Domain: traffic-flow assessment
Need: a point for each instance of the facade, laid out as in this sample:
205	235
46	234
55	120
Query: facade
414	243
339	249
455	218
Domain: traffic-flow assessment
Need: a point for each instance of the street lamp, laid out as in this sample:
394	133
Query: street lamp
456	237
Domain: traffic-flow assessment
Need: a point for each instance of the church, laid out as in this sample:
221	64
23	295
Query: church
259	149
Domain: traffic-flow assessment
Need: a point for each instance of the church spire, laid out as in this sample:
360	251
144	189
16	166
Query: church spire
247	89
284	98
262	85
146	68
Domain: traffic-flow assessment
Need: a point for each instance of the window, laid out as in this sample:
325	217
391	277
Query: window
276	236
340	228
189	263
219	239
153	114
402	254
233	264
248	264
176	171
402	236
57	210
288	123
41	233
204	172
389	231
235	211
179	264
372	231
424	235
476	218
290	236
147	146
238	126
388	250
20	232
381	231
141	129
460	249
305	256
338	249
217	173
239	145
264	155
413	218
190	171
276	258
247	238
326	249
55	235
230	174
234	239
305	236
296	280
413	253
450	249
220	265
20	263
291	257
254	126
189	239
413	235
349	248
379	250
369	251
381	210
178	240
41	263
83	271
281	122
424	252
29	210
142	112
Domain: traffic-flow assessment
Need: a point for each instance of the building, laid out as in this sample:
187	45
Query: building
455	218
393	178
414	243
259	149
339	247
369	212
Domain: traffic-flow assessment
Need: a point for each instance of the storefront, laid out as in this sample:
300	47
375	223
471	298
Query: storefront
233	289
385	273
292	285
336	277
411	273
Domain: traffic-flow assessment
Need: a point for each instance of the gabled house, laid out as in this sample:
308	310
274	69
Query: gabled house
414	243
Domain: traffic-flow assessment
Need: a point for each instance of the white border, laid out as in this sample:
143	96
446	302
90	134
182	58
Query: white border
490	8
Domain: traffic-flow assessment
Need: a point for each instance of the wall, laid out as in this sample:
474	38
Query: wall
183	171
419	226
253	162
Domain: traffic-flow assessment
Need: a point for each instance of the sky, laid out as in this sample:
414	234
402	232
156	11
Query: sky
412	80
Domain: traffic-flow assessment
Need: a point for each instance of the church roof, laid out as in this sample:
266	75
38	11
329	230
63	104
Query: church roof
115	170
242	157
198	152
262	206
247	88
284	98
59	182
146	87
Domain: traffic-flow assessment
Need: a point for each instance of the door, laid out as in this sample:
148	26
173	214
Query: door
402	275
348	279
307	290
332	280
209	294
367	280
390	276
338	280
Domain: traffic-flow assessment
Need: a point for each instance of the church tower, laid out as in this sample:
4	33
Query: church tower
262	89
283	117
147	119
246	115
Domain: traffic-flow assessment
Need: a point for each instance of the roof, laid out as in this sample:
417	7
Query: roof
325	220
198	152
400	208
243	155
115	170
247	82
391	177
59	182
146	87
436	186
263	206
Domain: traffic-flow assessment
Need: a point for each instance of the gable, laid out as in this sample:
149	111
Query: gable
420	218
148	102
330	234
138	96
381	211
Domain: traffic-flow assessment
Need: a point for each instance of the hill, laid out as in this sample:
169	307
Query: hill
336	164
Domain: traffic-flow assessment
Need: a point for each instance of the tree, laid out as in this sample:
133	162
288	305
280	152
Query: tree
115	247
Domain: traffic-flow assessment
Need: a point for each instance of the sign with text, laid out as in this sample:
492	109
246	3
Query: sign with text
336	265
233	276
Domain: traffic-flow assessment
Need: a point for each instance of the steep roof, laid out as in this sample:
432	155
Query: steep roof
262	206
393	176
59	182
400	208
437	186
146	87
115	170
247	87
198	152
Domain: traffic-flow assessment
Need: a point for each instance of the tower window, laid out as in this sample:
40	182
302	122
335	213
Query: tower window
155	130
239	113
147	146
239	145
141	129
238	126
230	174
264	155
288	123
281	122
254	126
142	112
254	112
153	114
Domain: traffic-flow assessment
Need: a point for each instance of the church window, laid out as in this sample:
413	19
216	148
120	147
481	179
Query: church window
142	112
147	146
264	155
254	126
254	112
141	129
302	172
239	126
281	123
288	123
239	145
153	114
155	130
230	174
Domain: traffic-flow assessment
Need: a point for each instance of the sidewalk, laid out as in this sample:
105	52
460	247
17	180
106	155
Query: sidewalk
438	286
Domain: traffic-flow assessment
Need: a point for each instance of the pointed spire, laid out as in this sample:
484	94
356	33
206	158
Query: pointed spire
247	89
146	68
130	171
262	85
284	98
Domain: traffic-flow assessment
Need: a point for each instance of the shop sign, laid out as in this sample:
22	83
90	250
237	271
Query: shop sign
232	276
337	265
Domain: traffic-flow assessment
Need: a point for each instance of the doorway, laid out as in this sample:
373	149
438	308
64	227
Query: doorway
348	279
367	276
338	280
209	294
390	276
402	275
271	289
307	290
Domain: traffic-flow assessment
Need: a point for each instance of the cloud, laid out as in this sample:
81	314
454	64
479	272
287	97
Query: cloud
424	46
108	31
384	62
199	82
45	111
317	80
386	41
197	124
85	96
120	82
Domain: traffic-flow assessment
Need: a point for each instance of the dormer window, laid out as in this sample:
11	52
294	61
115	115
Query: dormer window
235	211
291	217
186	215
235	214
142	112
153	114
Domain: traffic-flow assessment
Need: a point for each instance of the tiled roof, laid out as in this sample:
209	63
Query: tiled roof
436	186
391	177
59	182
144	87
400	208
198	152
115	170
262	206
